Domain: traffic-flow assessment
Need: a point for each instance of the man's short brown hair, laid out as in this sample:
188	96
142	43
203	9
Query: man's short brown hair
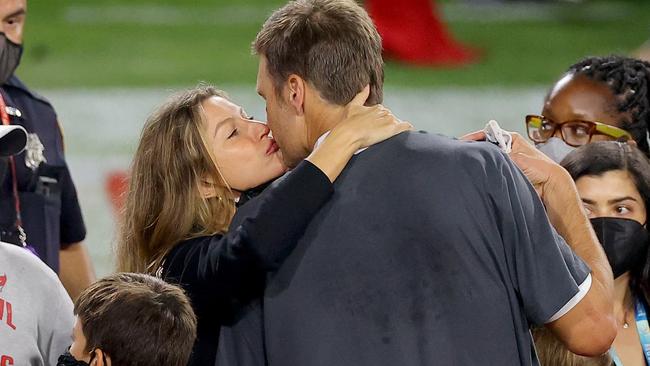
137	319
333	44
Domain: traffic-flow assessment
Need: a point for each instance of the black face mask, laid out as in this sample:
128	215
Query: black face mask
67	359
9	57
625	242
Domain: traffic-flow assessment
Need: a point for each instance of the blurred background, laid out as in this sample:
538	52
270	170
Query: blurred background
105	64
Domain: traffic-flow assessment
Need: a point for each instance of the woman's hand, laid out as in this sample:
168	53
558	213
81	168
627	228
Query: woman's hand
366	126
361	127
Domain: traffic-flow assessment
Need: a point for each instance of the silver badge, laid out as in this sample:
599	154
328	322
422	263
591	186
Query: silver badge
34	151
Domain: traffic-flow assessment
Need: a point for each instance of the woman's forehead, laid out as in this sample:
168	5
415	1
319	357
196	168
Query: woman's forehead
609	185
578	97
218	106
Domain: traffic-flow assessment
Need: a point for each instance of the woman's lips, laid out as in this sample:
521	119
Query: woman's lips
273	147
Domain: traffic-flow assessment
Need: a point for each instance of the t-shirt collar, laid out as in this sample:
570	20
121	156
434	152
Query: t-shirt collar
324	136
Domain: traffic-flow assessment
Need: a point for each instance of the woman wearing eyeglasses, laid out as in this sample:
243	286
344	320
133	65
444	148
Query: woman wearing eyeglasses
598	99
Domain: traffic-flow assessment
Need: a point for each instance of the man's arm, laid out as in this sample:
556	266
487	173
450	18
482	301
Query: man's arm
76	270
589	327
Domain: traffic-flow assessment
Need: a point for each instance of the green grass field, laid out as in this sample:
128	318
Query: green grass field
139	43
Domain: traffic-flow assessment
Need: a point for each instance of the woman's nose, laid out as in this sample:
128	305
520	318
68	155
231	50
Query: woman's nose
262	130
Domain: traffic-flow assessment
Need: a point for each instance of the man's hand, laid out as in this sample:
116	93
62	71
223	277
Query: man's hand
552	182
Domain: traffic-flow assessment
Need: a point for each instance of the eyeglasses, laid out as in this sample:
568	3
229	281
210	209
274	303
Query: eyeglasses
574	133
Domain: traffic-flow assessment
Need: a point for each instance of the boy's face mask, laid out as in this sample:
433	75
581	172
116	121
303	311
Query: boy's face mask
67	359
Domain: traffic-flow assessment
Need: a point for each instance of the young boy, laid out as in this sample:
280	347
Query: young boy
131	319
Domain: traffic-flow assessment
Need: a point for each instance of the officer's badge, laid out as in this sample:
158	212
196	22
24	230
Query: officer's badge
34	151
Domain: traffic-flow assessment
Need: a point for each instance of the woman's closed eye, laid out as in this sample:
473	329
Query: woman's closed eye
232	134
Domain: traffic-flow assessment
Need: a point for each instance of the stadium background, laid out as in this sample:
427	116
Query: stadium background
105	64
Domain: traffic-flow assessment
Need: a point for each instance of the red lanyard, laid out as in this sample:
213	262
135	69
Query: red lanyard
12	164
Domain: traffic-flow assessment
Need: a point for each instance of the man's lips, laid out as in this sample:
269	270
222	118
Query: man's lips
273	147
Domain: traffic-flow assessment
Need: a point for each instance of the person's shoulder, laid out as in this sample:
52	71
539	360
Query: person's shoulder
454	150
14	84
188	251
20	259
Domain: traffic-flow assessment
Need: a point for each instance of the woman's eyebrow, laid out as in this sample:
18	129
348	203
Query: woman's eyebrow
220	124
621	199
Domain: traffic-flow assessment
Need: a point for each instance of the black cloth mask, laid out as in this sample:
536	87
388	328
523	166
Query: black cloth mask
10	54
625	242
67	359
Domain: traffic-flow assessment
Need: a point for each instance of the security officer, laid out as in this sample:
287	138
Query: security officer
38	200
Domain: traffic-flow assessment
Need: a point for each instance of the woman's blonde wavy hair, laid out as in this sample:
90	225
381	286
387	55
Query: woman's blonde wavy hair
163	204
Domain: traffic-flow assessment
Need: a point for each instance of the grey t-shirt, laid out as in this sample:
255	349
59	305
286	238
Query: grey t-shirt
36	316
432	251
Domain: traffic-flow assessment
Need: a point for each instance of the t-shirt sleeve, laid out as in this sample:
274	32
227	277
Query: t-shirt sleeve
73	229
544	270
55	330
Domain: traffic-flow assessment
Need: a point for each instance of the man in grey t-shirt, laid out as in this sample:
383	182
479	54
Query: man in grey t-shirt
432	251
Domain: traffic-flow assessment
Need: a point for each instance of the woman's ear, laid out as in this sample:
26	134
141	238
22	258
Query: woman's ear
631	143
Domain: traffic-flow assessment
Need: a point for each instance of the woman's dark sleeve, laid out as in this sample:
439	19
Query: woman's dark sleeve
230	269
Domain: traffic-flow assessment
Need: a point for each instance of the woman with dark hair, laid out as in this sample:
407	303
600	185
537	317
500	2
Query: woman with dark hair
613	181
597	99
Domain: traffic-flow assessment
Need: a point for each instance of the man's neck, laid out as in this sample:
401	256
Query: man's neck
323	119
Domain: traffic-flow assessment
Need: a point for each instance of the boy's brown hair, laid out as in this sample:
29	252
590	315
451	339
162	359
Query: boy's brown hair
332	44
137	319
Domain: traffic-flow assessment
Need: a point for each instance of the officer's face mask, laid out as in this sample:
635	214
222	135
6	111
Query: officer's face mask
555	148
625	242
10	53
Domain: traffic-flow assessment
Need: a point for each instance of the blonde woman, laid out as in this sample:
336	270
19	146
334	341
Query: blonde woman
199	153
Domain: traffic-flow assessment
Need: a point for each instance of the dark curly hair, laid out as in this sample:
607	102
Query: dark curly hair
629	80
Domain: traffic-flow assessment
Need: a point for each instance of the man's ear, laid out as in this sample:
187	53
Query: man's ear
296	97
